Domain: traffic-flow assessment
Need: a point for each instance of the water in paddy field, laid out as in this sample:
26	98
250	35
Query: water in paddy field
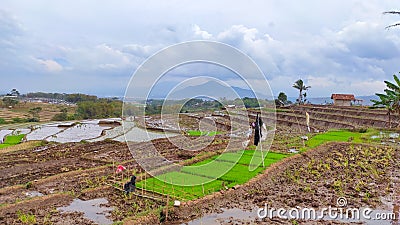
21	131
4	133
115	133
137	134
43	132
92	209
79	132
88	130
226	216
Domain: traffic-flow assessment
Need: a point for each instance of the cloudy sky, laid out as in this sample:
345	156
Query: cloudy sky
95	46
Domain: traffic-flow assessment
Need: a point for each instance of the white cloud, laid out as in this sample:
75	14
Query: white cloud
201	33
366	87
333	45
50	65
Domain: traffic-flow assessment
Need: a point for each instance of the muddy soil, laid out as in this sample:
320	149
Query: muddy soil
44	211
38	180
361	173
25	166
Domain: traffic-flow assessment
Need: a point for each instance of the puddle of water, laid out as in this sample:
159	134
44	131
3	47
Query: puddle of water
91	209
33	194
115	132
293	150
140	135
21	131
4	133
226	215
61	124
43	132
386	135
78	133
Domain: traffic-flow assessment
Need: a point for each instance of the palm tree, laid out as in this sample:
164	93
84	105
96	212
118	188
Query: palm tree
393	12
391	99
299	84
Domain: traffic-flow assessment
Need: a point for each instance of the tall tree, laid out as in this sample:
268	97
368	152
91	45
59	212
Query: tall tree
10	101
392	12
282	97
390	99
299	85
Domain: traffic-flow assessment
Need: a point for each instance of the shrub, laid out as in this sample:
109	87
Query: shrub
26	218
18	120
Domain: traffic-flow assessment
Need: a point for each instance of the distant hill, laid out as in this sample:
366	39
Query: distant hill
211	88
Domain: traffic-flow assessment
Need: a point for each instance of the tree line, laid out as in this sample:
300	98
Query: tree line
92	109
72	98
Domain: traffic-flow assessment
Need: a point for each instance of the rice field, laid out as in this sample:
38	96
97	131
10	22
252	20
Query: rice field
209	175
12	140
202	133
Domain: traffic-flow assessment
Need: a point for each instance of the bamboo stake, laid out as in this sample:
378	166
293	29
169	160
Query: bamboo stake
166	213
145	182
143	185
153	184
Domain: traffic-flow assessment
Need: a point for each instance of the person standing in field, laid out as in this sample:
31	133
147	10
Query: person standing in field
257	129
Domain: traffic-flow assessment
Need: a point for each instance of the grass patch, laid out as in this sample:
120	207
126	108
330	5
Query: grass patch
26	218
202	133
180	191
11	140
340	136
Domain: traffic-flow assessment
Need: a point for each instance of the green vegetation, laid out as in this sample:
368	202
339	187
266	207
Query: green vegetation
10	101
202	133
391	99
101	108
35	114
12	140
210	168
154	106
73	98
340	136
62	116
299	84
26	218
282	99
200	105
19	120
89	106
251	102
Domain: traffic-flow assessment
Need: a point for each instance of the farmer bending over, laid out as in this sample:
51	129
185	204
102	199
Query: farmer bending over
130	186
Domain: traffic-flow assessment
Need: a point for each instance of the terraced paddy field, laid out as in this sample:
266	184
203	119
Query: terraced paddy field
21	110
40	180
180	185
